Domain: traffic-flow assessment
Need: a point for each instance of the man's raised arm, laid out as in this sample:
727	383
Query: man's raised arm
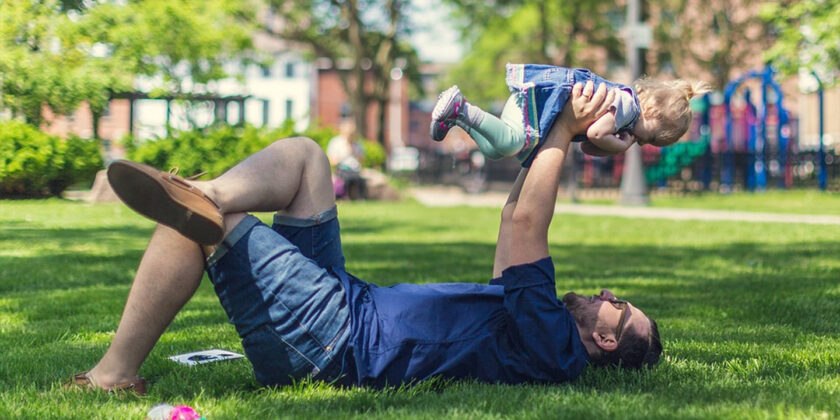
526	236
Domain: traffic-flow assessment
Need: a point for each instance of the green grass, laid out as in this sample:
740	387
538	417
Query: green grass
773	201
749	315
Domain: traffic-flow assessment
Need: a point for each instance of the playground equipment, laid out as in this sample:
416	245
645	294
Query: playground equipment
757	141
822	176
763	130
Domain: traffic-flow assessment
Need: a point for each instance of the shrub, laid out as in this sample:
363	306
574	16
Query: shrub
212	150
374	154
34	164
82	159
217	149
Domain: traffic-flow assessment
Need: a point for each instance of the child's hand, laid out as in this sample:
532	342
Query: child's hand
627	137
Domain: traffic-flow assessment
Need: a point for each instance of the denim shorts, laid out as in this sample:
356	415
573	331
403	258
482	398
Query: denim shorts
279	291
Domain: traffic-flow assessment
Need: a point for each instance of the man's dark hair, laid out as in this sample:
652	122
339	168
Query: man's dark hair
633	351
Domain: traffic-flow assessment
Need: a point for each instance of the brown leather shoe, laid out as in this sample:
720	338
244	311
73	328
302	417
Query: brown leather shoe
167	199
83	382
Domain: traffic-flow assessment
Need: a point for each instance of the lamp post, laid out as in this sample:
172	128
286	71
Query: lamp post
637	36
822	176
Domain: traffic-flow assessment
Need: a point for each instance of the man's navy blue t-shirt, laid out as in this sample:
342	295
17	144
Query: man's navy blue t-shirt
511	331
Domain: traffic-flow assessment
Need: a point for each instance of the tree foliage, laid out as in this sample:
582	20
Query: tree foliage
60	53
369	36
185	42
807	35
715	36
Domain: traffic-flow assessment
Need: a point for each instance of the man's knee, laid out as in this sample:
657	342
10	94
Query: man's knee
303	148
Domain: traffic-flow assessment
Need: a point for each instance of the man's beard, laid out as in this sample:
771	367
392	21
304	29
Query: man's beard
576	305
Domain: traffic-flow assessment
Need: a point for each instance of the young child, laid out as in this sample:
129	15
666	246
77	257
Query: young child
656	113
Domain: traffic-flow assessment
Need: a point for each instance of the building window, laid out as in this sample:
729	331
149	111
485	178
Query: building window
290	70
266	70
265	109
289	108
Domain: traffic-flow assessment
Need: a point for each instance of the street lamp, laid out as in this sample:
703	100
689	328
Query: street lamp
638	36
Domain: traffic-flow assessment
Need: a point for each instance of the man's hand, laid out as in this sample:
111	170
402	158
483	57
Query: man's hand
584	107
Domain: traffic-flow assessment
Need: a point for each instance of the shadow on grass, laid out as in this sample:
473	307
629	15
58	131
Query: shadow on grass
741	294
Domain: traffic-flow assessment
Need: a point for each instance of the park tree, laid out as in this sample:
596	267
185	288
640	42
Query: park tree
32	62
368	35
543	31
716	37
60	53
182	45
806	36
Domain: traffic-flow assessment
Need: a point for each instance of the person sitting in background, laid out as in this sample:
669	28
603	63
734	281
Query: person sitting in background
346	155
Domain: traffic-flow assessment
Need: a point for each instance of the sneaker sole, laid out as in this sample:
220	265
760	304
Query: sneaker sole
446	98
443	108
144	193
437	132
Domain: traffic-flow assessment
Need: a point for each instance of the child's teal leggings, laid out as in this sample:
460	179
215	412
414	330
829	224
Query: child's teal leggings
497	137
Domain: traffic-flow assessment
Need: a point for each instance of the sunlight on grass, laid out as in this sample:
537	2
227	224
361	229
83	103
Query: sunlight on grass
749	315
10	322
772	201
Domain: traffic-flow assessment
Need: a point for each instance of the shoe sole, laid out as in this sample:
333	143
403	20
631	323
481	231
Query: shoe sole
437	132
443	108
144	193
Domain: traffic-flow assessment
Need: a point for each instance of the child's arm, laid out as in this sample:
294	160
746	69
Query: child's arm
601	134
593	149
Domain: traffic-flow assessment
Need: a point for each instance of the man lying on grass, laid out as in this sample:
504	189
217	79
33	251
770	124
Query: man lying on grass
300	314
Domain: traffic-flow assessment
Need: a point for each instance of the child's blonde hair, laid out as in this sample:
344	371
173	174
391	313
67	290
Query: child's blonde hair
668	103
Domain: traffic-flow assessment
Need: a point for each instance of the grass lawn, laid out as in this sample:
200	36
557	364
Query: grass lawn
749	315
772	201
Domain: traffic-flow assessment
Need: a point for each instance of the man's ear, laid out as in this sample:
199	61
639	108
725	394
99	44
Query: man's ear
605	342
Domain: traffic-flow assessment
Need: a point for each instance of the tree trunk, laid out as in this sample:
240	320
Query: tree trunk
356	92
543	13
95	118
380	137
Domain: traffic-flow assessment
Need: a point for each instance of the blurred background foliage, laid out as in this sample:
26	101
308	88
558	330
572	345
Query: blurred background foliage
368	37
217	149
34	164
61	53
807	36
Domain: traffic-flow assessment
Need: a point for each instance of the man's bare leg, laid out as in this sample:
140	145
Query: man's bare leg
291	175
168	275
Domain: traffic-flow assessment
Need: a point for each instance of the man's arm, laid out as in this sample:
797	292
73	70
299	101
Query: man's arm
532	214
503	242
593	150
